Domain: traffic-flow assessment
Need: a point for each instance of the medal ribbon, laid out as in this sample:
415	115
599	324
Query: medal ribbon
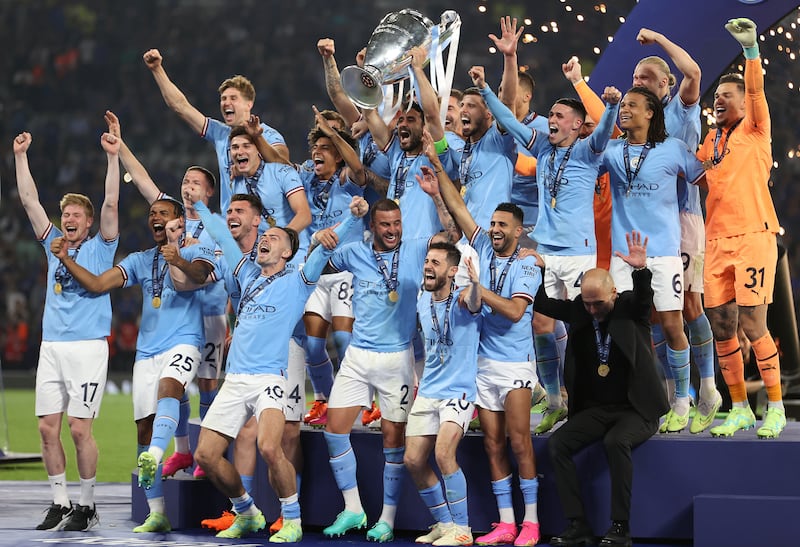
466	161
254	251
198	230
400	176
493	272
251	183
322	193
390	278
158	278
61	274
631	176
717	154
249	294
443	335
554	182
603	346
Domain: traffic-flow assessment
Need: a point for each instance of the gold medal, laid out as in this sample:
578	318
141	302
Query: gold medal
394	296
156	301
553	203
603	370
271	222
57	288
396	200
463	191
708	164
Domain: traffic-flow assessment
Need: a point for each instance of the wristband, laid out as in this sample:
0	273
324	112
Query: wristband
751	52
441	146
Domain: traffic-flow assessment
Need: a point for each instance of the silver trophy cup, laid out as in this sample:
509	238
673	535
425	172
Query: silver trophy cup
386	60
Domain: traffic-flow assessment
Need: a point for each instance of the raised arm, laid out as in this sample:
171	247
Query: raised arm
173	96
196	271
637	259
333	83
427	95
756	108
507	45
355	169
26	187
139	175
430	185
472	292
218	230
269	152
109	279
523	134
602	133
109	214
689	90
593	104
377	128
298	202
317	259
447	190
377	182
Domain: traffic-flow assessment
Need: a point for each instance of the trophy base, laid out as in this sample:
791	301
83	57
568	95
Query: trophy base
362	87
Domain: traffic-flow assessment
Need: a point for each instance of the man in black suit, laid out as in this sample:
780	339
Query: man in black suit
615	393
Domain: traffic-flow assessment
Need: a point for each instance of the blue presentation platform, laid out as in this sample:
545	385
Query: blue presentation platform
717	491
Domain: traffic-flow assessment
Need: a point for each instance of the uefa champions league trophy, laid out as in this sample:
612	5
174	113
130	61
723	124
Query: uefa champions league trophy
387	62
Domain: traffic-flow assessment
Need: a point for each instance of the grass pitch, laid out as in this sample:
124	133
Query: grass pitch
114	432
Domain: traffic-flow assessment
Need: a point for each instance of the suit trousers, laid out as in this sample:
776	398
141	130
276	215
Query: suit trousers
621	429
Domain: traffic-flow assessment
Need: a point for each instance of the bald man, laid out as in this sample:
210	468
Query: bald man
615	394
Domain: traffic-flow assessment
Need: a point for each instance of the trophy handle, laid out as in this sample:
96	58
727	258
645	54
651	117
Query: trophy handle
450	22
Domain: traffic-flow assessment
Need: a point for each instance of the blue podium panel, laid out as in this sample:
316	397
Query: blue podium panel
743	521
670	473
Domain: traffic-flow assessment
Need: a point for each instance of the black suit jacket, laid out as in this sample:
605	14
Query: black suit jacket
629	326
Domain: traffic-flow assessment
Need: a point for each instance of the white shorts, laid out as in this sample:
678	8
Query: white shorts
333	296
216	329
71	378
295	403
667	280
179	362
693	251
496	378
242	396
428	415
364	372
563	274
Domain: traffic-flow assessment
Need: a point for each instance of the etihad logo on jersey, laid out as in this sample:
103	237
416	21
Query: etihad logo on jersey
471	177
408	184
644	187
250	309
367	285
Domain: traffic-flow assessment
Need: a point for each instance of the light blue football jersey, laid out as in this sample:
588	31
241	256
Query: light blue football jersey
501	338
451	356
381	325
178	319
75	313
